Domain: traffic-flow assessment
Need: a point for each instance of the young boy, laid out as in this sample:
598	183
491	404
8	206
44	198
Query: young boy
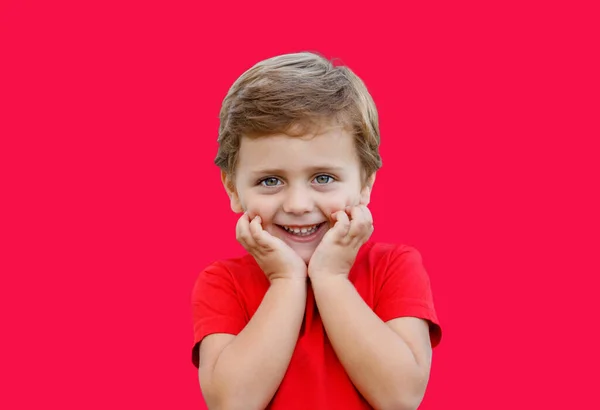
315	316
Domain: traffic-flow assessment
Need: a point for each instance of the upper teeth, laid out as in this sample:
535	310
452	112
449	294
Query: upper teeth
300	231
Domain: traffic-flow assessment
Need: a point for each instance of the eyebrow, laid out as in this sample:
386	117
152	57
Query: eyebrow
279	171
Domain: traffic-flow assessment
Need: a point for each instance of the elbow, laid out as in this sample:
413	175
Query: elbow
404	403
224	405
232	404
231	399
224	399
410	397
404	400
229	406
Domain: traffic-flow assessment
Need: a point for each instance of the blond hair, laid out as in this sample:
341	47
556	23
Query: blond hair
288	94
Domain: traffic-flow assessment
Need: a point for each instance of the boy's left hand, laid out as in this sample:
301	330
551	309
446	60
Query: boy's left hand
337	251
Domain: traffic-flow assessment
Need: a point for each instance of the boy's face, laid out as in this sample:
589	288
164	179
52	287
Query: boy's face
295	183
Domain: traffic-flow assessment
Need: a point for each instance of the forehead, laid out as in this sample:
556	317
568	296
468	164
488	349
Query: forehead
331	147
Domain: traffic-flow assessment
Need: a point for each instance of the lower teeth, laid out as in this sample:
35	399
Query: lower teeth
309	232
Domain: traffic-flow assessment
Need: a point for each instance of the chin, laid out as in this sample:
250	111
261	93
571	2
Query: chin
306	257
305	254
304	249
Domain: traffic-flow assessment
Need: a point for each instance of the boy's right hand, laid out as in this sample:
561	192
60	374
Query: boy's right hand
275	257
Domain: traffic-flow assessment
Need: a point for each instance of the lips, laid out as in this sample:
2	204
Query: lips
302	233
301	230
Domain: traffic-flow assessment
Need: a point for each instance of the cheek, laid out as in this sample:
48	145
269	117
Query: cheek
262	206
335	203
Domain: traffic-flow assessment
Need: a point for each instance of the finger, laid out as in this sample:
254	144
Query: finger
369	218
342	224
260	236
333	219
367	213
243	234
256	226
239	226
361	223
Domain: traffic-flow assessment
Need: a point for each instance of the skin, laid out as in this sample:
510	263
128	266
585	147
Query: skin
297	181
302	181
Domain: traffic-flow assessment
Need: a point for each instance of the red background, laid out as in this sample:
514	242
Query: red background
112	205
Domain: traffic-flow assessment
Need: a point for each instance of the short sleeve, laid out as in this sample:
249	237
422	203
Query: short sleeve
216	307
404	289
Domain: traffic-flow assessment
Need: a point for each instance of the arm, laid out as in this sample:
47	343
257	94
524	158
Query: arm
389	363
244	371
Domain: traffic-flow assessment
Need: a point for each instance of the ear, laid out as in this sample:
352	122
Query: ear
365	193
227	180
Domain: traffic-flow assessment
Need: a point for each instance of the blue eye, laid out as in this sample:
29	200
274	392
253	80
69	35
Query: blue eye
271	181
323	179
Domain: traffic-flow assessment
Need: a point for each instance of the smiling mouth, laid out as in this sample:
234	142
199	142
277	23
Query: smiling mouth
305	230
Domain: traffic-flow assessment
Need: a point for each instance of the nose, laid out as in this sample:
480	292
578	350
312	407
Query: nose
298	201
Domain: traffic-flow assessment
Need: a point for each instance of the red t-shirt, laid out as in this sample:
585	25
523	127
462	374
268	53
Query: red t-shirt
390	278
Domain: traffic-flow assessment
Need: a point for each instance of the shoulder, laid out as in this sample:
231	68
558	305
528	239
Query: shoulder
238	275
390	265
233	272
233	264
380	256
401	285
380	264
230	267
392	248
